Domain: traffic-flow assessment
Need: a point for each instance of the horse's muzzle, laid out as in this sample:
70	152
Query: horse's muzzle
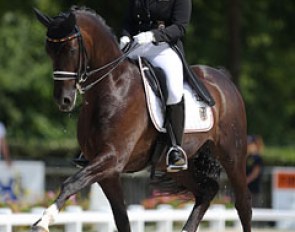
66	104
65	100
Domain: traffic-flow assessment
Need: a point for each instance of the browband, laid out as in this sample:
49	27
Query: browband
64	39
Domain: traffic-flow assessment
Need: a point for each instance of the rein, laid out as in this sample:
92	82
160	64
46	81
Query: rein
83	74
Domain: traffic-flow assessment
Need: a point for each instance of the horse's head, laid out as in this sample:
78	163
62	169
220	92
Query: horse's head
80	45
63	45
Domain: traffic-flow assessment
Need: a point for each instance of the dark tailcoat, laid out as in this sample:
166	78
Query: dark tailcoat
167	19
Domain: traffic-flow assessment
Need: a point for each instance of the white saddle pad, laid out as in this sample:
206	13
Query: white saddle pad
198	116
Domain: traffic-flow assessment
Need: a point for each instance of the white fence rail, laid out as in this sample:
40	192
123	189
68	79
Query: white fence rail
73	218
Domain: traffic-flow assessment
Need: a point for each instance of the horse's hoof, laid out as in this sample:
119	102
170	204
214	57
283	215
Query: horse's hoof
38	229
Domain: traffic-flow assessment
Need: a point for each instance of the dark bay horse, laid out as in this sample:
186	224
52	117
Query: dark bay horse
115	132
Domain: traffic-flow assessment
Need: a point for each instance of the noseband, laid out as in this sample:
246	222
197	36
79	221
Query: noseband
83	74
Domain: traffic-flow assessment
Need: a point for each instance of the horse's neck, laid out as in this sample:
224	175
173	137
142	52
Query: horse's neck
112	97
104	54
104	49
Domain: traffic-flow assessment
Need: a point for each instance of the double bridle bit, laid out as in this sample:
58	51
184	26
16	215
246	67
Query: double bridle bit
83	74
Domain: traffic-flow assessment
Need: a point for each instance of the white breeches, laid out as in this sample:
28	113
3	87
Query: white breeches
163	56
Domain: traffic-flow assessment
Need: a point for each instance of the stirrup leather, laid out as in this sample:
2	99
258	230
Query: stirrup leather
176	168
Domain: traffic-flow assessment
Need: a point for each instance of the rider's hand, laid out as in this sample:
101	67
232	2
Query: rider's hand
124	40
144	37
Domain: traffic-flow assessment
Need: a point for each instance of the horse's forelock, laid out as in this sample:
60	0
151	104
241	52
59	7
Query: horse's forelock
61	26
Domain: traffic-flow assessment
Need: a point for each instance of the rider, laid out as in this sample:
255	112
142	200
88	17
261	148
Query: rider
156	25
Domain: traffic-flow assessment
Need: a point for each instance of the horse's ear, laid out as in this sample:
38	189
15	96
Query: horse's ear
44	19
71	20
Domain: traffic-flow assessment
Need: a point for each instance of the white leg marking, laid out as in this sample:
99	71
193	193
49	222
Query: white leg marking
49	216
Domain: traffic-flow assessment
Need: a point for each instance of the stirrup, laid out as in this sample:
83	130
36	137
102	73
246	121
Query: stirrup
176	168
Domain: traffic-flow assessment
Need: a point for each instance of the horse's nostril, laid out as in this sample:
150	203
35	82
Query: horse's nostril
66	101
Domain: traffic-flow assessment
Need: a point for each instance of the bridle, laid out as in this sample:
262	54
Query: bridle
83	72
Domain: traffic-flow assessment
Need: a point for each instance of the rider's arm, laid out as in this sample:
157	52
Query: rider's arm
180	18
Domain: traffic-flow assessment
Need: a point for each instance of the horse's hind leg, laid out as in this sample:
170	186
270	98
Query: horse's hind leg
202	181
202	203
236	172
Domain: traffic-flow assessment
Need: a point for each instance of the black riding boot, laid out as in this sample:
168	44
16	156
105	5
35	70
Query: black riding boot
176	157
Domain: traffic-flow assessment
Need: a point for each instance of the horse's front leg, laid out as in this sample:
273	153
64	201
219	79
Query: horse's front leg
102	167
113	190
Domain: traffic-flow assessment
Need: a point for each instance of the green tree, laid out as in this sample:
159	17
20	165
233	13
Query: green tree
25	81
267	74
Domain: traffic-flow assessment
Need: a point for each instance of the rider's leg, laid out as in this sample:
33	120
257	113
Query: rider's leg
166	58
176	157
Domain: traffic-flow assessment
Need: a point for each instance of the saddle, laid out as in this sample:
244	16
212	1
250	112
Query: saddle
193	80
156	79
198	115
189	76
